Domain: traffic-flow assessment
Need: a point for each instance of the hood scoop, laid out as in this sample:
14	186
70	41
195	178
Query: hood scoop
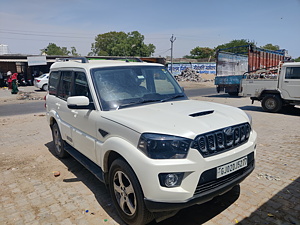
201	113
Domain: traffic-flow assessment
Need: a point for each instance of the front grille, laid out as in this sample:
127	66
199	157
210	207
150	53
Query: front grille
221	140
208	181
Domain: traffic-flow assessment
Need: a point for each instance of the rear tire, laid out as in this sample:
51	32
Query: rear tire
233	93
45	87
127	194
271	103
59	144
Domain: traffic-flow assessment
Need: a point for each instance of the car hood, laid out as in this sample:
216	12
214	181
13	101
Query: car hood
186	118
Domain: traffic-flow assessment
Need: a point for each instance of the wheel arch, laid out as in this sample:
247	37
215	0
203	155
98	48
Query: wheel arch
52	121
269	92
125	154
108	159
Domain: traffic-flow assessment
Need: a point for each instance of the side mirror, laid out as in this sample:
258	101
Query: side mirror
182	88
79	102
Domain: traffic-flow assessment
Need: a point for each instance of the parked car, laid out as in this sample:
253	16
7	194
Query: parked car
131	124
41	82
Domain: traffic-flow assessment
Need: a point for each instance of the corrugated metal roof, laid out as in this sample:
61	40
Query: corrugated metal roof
22	60
13	60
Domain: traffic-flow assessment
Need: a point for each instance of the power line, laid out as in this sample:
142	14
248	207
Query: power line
162	51
42	35
43	32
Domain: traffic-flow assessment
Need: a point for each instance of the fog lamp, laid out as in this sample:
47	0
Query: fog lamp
170	179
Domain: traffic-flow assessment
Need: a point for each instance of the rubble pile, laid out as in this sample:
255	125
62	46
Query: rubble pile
28	96
189	75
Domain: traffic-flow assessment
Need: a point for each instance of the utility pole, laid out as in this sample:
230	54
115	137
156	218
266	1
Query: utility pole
172	39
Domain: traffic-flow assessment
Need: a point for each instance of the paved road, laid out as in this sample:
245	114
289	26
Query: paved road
37	106
200	92
22	108
30	194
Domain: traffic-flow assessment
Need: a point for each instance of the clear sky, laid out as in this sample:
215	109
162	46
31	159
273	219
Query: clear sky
27	26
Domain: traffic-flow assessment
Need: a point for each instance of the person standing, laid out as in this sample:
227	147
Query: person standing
1	79
9	80
15	89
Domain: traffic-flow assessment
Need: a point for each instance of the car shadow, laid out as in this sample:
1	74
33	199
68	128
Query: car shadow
222	96
282	208
83	175
186	216
199	214
39	90
285	111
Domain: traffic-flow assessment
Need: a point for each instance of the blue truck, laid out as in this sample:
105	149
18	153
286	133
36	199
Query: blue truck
236	63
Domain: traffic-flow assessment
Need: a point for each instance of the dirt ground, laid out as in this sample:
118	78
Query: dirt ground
31	193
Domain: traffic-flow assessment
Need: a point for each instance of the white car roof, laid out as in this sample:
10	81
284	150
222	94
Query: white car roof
98	63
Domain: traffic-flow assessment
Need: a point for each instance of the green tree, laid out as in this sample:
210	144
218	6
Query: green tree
297	59
74	52
121	44
53	49
234	46
271	47
200	52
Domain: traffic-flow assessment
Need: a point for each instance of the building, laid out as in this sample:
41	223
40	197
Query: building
31	66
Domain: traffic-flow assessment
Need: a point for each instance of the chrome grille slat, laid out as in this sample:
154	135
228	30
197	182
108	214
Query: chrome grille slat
221	140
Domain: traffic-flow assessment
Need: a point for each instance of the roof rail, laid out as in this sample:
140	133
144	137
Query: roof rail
83	59
123	58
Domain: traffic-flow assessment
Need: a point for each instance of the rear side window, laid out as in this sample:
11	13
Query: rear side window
53	82
292	73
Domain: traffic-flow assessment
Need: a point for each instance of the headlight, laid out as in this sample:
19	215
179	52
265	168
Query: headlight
160	146
250	118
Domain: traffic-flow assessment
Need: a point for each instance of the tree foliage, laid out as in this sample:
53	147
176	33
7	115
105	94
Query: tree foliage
271	47
74	52
201	52
121	44
53	49
297	59
231	46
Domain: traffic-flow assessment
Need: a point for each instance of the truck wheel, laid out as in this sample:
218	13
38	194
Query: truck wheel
233	93
127	194
59	143
271	103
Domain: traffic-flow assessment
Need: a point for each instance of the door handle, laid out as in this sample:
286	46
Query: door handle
75	113
286	81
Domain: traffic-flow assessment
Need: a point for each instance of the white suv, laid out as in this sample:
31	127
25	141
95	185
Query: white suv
131	124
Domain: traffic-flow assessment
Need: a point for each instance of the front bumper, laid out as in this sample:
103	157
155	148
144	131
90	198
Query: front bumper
208	187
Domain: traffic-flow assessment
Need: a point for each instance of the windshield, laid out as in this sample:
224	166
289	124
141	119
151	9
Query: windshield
44	75
119	87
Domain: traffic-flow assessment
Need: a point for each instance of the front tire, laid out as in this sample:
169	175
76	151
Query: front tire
127	194
59	144
271	103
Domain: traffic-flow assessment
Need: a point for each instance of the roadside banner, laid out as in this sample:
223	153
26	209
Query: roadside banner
36	60
207	68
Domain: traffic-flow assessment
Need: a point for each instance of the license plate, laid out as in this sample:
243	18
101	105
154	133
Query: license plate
231	167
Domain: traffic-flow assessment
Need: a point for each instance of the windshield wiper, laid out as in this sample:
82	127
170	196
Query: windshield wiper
172	97
137	103
149	100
